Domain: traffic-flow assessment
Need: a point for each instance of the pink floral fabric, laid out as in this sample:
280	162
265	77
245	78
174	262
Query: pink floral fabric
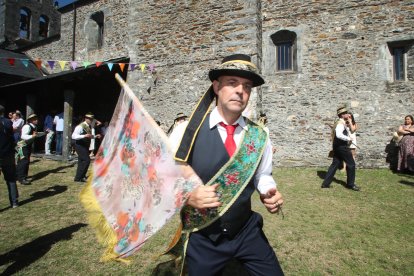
136	181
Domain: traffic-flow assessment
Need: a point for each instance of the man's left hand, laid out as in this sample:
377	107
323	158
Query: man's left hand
272	200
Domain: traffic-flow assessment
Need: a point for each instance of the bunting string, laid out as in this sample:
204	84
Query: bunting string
73	65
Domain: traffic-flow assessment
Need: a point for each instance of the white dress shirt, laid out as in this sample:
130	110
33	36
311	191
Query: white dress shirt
77	133
25	133
339	131
263	179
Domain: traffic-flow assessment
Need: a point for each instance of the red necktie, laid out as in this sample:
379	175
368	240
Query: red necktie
229	144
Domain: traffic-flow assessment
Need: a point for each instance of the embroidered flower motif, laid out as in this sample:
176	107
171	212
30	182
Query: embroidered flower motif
231	178
251	147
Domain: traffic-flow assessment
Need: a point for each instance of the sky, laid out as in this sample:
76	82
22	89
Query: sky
65	2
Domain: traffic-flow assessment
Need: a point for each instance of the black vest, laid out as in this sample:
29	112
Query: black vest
207	157
338	142
29	142
84	142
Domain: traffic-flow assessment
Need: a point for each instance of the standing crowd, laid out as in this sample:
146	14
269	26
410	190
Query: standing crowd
17	139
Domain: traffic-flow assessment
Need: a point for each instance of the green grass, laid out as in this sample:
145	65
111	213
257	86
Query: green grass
324	231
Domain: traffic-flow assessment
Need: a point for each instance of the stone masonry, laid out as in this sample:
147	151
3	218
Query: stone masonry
342	56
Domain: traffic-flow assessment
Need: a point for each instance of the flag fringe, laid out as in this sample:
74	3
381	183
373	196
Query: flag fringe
105	234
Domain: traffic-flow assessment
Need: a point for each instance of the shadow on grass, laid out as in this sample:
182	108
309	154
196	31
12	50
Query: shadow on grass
28	253
407	183
32	161
234	267
51	191
43	174
322	175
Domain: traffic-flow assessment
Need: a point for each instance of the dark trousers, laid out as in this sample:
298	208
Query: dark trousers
83	161
59	142
250	246
16	136
23	163
341	154
8	168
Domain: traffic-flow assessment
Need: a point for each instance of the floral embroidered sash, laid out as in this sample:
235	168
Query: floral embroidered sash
86	128
233	178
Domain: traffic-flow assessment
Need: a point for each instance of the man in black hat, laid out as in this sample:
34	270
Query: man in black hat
341	151
233	156
7	165
82	135
24	148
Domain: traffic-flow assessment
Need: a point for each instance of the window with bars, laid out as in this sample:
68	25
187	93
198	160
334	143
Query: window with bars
398	63
402	57
285	47
284	56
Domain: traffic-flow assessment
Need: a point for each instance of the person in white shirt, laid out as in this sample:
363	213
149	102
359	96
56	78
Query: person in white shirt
223	138
82	135
24	146
59	121
341	151
93	146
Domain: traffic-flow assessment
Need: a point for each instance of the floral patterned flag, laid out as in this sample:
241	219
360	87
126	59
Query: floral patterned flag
136	185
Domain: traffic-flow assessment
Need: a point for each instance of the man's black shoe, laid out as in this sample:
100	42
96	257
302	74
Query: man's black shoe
80	180
325	186
354	188
24	182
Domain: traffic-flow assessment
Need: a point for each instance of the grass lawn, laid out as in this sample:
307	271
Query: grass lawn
324	231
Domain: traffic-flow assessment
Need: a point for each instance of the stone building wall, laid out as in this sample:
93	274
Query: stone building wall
12	17
342	56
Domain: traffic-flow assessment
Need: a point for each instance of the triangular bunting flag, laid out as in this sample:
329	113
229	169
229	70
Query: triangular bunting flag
151	67
121	66
51	64
11	61
38	63
142	67
86	64
25	62
98	63
132	66
62	64
73	64
110	66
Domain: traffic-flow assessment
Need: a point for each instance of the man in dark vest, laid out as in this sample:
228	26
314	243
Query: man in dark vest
82	135
7	162
24	148
233	157
341	151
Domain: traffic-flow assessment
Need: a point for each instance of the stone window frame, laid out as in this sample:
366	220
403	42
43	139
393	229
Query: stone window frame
28	23
285	41
269	62
96	30
47	23
405	46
